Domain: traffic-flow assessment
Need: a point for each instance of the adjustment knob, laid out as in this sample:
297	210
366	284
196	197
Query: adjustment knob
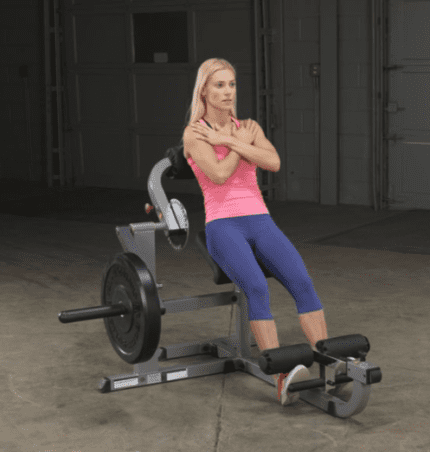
148	208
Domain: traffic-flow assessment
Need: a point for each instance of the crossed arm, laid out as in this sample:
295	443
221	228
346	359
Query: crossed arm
261	151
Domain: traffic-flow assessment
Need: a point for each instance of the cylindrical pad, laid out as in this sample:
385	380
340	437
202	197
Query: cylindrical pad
284	359
344	346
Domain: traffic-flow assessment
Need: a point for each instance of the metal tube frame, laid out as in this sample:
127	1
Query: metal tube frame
232	353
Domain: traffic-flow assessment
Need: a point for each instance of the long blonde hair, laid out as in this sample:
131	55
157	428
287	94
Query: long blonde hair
197	108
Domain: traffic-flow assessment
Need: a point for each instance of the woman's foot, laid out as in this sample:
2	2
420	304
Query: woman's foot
280	383
299	373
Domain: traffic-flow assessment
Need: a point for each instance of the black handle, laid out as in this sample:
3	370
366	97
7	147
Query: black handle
96	312
316	383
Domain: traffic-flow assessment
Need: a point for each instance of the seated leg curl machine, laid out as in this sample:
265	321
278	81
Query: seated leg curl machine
132	310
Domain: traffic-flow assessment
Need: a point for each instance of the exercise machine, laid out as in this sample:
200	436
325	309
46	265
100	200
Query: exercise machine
132	310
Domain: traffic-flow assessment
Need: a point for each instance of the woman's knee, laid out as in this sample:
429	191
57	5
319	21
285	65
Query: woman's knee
257	288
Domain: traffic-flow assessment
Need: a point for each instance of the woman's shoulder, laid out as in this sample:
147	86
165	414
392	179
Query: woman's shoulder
238	121
243	121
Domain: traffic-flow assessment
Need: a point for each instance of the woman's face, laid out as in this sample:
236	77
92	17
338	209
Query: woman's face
221	86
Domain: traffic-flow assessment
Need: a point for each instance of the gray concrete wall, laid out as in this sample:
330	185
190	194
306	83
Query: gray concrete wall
303	101
21	43
355	57
22	101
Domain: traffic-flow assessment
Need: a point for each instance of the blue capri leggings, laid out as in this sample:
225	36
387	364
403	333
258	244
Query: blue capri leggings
231	242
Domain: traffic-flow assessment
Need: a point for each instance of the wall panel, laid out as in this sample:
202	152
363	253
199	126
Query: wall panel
21	96
144	96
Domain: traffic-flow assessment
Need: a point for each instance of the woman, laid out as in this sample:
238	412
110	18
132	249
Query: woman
224	153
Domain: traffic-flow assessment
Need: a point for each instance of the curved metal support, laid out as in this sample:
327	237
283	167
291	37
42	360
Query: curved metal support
168	220
158	195
335	406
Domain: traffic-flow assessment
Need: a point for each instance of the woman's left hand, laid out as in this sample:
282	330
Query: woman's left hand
211	136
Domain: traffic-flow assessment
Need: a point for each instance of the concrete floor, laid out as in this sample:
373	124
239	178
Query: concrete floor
369	269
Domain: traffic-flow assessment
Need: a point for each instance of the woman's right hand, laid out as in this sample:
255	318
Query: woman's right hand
246	132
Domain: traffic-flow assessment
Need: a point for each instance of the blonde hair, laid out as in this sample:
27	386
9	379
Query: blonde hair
197	108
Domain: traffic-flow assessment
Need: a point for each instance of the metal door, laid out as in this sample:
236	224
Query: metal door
407	113
129	93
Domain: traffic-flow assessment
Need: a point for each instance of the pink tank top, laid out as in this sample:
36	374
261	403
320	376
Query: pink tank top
239	196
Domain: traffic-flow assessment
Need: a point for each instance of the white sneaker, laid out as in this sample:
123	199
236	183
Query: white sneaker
299	373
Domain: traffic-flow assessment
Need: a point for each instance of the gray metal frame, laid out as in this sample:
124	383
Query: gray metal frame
231	353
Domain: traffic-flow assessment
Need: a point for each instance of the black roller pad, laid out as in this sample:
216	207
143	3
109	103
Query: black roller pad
285	359
354	345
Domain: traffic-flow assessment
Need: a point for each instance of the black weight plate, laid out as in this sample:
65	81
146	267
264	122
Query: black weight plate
134	336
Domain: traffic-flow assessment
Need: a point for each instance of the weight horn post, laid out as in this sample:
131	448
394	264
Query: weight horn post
96	312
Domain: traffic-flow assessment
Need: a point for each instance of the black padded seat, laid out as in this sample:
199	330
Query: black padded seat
219	276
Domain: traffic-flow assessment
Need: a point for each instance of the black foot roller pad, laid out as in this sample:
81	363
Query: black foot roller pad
354	345
285	359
